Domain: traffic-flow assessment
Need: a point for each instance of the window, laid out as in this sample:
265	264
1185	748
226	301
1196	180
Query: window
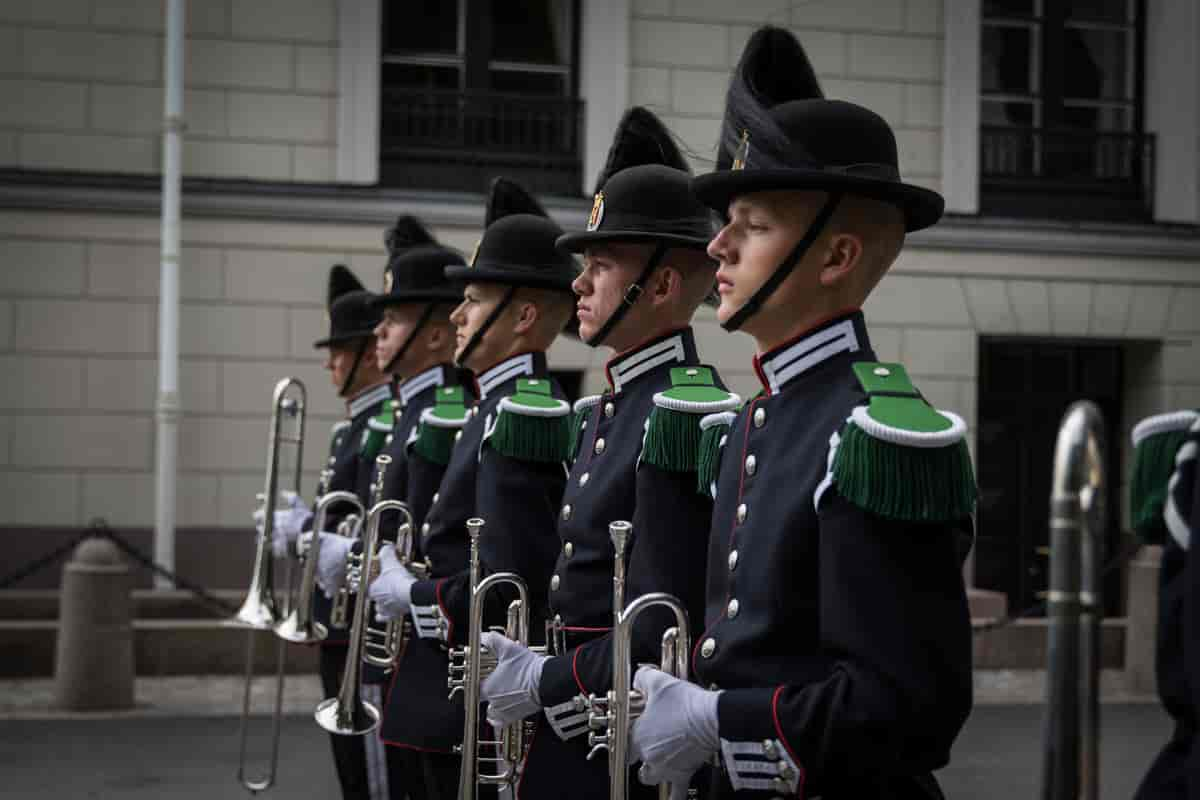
1061	110
476	88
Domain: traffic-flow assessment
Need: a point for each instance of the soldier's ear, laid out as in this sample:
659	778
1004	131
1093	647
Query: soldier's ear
843	255
528	315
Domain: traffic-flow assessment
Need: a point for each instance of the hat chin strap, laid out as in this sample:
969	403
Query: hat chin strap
477	337
786	266
424	318
358	357
632	293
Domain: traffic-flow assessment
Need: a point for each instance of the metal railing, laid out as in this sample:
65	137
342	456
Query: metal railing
459	139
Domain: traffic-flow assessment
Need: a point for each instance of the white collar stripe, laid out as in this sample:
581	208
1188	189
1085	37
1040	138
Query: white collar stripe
666	352
370	398
809	352
506	370
414	386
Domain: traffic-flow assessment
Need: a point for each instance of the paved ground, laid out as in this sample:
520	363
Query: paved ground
170	751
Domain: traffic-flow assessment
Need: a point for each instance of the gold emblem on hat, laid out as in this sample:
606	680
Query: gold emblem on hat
387	281
597	214
743	151
475	252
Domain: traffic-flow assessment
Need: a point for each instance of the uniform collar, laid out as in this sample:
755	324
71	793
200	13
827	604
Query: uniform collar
368	398
509	368
440	375
673	348
845	333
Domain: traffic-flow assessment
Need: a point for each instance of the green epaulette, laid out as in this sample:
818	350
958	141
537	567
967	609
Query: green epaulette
1156	440
379	428
440	425
901	458
714	429
673	433
532	424
583	407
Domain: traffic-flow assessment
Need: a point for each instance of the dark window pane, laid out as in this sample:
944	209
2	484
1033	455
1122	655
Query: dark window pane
419	76
1117	11
1007	55
529	82
1008	8
532	31
997	112
1097	64
420	26
1093	118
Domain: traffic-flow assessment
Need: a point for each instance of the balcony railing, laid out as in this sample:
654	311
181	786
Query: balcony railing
459	140
1066	173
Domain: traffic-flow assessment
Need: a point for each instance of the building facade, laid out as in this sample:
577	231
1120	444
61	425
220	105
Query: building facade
1064	137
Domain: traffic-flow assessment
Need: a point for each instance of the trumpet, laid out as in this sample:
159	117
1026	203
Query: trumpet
470	665
347	714
259	611
299	626
611	716
1077	512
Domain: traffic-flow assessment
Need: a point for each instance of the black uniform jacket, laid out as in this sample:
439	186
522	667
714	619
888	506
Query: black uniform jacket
667	554
352	472
841	639
518	501
1175	773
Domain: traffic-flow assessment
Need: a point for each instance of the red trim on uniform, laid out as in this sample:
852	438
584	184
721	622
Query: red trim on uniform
631	350
537	726
783	740
437	594
575	669
583	629
418	748
758	357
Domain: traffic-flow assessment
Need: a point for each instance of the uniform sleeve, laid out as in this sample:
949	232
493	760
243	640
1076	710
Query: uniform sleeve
668	554
896	633
518	500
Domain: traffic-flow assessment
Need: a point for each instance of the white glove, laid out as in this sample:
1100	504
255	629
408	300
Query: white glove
677	732
391	592
289	522
331	561
511	689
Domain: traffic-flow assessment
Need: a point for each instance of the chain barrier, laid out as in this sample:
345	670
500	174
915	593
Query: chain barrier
100	527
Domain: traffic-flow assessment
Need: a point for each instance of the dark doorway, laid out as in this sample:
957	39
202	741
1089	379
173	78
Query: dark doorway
1025	386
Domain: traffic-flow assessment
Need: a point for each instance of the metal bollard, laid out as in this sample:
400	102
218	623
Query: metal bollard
94	660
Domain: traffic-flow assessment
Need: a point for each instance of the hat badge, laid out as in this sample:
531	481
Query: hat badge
743	151
475	253
597	215
387	281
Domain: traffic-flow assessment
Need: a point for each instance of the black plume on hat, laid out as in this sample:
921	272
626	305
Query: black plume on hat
341	281
773	69
407	232
641	138
506	198
351	315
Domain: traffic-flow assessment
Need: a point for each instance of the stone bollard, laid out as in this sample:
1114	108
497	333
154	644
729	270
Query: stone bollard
1141	620
93	667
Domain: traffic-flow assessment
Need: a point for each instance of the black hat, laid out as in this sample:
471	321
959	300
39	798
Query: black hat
517	248
351	315
415	272
643	193
780	133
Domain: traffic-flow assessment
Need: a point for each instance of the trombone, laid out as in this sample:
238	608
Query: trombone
611	716
347	714
1070	770
259	611
470	665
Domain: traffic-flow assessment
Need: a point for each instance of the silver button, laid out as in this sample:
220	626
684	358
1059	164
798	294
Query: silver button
732	608
712	687
583	479
458	436
733	559
388	441
760	417
566	512
425	528
554	582
609	410
599	446
769	749
882	372
568	549
583	425
709	647
751	464
534	382
693	373
742	511
436	496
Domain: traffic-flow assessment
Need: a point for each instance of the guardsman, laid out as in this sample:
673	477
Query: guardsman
414	344
1162	497
835	657
645	274
353	369
503	461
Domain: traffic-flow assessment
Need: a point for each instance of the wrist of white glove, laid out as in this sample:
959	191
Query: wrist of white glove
391	592
512	689
678	730
331	561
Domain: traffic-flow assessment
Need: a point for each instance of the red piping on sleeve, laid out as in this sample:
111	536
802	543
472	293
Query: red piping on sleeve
575	669
783	740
